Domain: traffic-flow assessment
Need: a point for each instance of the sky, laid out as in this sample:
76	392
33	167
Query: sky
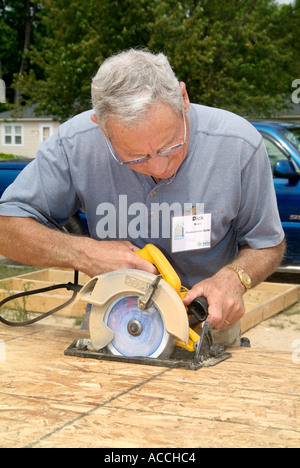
284	1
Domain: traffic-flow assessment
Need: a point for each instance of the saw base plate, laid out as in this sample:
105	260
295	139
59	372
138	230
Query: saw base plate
179	359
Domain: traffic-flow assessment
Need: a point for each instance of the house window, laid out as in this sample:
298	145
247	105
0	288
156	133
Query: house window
13	135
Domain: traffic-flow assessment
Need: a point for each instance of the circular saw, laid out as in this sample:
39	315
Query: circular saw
140	317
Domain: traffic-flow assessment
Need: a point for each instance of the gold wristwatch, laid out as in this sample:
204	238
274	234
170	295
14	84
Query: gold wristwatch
243	276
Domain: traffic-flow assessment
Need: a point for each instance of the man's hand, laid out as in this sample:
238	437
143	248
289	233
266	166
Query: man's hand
223	292
101	257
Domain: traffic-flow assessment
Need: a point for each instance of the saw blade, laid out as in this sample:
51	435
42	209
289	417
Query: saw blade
136	332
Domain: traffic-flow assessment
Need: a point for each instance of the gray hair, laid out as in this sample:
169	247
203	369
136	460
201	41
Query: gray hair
128	84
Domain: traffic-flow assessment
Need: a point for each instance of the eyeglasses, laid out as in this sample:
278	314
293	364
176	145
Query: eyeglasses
165	152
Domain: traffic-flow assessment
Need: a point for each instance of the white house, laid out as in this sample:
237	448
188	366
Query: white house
22	135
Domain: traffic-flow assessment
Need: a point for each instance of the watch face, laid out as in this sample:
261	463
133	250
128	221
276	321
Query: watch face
246	279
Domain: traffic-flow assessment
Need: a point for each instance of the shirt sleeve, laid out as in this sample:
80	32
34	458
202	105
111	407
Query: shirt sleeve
258	224
46	183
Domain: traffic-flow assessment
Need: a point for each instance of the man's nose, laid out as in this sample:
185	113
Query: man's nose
158	163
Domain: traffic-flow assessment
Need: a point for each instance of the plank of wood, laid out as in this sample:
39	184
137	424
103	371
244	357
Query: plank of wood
51	400
43	302
267	300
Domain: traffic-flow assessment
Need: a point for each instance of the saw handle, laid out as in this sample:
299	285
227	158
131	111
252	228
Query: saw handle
153	255
199	308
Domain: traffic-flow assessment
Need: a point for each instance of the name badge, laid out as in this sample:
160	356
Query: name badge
191	232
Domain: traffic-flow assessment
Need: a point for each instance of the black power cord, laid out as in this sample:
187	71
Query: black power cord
69	286
75	287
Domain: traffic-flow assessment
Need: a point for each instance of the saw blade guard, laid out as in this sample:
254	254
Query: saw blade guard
105	291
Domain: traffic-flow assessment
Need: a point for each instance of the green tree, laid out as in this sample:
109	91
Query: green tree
289	27
79	36
17	25
227	52
235	54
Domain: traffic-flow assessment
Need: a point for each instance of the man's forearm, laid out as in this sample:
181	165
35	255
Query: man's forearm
261	263
29	242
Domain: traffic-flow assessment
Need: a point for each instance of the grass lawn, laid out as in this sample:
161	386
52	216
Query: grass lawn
8	156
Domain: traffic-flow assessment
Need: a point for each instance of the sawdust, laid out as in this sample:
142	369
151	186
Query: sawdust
280	332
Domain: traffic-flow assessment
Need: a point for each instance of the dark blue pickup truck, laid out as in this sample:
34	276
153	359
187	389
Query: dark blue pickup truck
10	169
282	141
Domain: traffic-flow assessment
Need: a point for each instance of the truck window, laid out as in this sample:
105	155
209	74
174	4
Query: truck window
274	152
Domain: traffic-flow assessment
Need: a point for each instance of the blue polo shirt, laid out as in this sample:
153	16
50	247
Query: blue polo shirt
226	173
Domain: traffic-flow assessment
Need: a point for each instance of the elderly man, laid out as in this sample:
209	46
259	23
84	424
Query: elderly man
147	166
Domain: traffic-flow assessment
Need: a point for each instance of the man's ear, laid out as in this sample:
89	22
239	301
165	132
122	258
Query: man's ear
94	119
186	99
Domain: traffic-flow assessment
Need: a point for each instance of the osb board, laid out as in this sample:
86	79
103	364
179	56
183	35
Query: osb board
51	400
261	302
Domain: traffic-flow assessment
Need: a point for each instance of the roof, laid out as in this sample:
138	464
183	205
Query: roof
26	113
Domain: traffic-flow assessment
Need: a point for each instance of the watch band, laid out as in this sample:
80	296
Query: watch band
243	276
